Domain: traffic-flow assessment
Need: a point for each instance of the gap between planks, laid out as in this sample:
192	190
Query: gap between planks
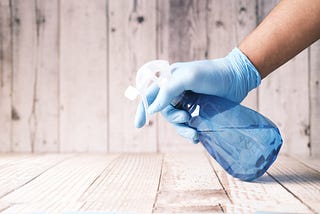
91	182
286	187
25	168
154	183
38	192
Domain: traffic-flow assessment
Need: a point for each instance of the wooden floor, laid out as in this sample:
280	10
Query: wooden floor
152	183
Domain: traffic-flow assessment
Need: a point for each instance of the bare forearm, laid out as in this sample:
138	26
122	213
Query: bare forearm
290	27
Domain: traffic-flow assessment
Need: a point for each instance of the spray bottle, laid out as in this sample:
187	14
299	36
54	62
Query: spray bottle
242	141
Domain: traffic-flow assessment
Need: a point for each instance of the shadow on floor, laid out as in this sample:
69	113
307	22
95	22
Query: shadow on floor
296	177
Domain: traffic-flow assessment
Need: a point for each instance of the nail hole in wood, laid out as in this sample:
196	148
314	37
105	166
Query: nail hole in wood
243	9
17	21
219	23
14	114
140	19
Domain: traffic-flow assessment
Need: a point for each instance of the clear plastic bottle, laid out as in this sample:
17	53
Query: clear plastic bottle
243	142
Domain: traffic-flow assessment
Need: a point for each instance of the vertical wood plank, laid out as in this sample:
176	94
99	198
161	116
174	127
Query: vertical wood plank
315	99
222	29
34	103
46	83
83	84
226	29
132	42
182	36
5	75
24	75
283	97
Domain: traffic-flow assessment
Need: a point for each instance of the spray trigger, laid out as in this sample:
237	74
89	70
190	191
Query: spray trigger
156	71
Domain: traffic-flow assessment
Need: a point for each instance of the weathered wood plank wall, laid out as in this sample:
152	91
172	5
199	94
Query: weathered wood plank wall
132	41
65	64
82	75
5	76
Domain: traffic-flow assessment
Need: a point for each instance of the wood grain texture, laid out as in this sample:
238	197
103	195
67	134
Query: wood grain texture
315	98
45	106
4	206
189	185
64	67
83	76
132	42
288	106
226	29
263	195
182	36
35	63
283	97
16	174
24	34
312	162
5	76
51	192
12	158
303	182
150	183
129	185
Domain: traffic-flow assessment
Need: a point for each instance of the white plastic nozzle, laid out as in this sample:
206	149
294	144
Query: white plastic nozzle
154	71
131	93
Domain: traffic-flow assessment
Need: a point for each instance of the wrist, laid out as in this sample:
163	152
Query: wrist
244	69
245	73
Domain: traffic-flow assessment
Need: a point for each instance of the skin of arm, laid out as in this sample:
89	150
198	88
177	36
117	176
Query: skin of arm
289	28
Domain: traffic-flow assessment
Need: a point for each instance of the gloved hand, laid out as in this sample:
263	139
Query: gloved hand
231	77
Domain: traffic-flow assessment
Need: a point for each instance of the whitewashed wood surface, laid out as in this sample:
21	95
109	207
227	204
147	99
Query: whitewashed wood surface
64	66
152	183
82	76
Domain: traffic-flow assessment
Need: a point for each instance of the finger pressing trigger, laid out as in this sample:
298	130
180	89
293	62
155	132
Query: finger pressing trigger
174	115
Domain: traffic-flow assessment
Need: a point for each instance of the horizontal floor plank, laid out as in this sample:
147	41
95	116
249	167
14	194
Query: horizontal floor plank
312	162
59	187
189	184
128	184
151	183
263	195
10	159
303	182
4	206
24	169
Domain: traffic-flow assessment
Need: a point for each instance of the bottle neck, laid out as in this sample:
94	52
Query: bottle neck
187	101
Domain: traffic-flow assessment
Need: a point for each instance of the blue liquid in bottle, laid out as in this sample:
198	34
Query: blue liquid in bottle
242	141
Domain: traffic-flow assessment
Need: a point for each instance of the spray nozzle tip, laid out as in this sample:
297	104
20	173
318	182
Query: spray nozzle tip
131	93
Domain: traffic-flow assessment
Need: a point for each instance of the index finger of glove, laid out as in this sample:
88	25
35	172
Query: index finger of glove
171	89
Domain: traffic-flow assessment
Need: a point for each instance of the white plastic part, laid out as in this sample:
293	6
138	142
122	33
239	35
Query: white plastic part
131	93
154	71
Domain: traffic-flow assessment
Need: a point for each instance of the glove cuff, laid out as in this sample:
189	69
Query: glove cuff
244	69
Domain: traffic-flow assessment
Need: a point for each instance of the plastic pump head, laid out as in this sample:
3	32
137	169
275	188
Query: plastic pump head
156	71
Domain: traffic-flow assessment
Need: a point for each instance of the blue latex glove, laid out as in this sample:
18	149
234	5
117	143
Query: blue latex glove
231	77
